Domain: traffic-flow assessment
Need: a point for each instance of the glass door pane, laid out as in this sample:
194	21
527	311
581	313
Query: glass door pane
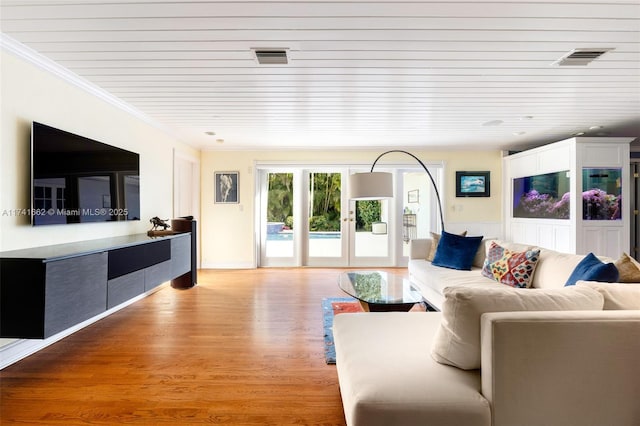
418	205
277	223
325	239
371	229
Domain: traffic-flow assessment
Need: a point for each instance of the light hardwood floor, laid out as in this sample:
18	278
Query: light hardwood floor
243	348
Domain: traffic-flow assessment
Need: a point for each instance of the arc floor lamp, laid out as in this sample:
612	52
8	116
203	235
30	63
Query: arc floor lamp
376	185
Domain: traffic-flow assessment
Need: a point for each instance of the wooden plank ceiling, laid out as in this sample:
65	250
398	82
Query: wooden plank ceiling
448	74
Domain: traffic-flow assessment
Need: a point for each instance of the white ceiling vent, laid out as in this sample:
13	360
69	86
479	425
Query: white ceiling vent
581	57
271	56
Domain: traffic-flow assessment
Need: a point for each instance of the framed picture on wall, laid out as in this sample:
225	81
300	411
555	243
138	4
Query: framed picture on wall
413	196
226	187
473	184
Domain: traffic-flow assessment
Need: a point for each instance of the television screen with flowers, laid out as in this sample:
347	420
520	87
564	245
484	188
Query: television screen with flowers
545	196
601	194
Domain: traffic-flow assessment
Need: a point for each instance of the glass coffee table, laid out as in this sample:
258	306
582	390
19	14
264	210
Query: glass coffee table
379	291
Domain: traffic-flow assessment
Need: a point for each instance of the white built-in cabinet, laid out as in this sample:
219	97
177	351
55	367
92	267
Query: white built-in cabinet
567	161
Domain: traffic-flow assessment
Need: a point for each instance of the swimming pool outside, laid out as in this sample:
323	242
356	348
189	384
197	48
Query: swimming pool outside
327	244
288	236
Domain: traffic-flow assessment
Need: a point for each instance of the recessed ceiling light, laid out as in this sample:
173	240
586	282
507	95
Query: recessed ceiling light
210	133
578	134
596	127
220	140
493	123
519	133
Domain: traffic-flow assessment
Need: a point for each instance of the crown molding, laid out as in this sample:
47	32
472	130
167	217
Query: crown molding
18	49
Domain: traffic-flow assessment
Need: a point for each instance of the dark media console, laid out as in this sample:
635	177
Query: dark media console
189	279
45	290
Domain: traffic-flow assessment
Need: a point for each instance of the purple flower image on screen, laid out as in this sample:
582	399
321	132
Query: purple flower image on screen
598	205
560	209
545	196
536	205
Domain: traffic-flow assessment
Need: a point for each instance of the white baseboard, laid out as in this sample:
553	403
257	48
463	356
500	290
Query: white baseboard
20	349
230	265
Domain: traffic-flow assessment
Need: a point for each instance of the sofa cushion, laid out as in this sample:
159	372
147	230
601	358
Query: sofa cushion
628	268
431	280
419	248
386	378
457	342
481	254
593	269
512	268
616	296
554	268
435	240
510	245
455	251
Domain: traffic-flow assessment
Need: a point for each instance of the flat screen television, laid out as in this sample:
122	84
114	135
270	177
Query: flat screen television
79	180
545	196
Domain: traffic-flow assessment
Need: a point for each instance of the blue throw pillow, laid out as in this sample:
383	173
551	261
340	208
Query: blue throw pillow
455	251
593	269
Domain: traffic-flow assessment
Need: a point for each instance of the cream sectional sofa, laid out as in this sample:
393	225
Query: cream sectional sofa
552	356
552	271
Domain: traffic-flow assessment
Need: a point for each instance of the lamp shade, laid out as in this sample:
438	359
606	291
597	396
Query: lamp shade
370	186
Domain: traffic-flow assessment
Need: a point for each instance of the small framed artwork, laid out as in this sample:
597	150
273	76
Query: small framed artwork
473	184
226	187
413	196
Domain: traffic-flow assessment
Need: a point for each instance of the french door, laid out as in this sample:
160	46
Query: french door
306	219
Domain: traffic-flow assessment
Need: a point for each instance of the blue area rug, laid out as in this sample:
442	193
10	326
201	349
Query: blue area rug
330	307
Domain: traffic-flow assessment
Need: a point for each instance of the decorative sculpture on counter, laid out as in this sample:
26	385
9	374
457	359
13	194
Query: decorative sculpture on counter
159	223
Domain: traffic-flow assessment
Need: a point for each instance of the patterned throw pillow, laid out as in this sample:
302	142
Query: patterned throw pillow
508	267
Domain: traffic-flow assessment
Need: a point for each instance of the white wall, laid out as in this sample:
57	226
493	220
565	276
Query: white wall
30	93
228	232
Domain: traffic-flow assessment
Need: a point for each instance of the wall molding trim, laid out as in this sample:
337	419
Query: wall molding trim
486	229
18	49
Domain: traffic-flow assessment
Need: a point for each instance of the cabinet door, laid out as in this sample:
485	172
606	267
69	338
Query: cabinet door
22	290
125	260
124	288
180	255
603	240
156	275
76	290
